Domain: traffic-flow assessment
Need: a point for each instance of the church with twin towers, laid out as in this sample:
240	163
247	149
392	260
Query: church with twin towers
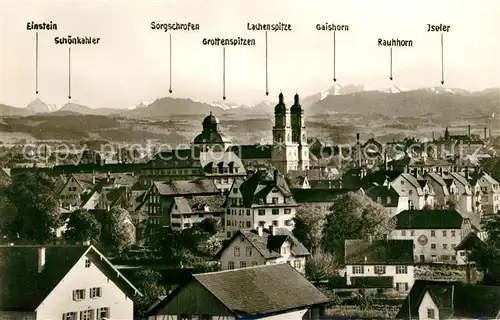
289	150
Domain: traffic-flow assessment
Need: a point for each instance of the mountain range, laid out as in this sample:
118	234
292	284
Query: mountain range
350	98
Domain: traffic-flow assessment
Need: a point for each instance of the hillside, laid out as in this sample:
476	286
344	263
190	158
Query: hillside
37	106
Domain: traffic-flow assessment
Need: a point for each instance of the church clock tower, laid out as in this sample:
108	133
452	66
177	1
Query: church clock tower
299	133
284	154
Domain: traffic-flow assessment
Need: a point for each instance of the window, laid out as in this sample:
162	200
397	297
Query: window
379	269
453	246
412	233
248	212
249	251
284	250
357	269
388	200
87	315
453	234
444	233
445	246
228	234
433	233
403	233
230	265
402	286
275	223
236	251
69	316
243	264
95	292
401	270
288	211
379	199
103	313
87	263
235	190
275	211
433	246
262	212
430	314
228	223
78	294
248	224
275	200
297	264
254	263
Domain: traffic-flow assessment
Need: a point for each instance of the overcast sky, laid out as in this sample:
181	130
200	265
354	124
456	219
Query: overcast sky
131	63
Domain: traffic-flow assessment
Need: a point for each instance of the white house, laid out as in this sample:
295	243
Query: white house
249	248
62	282
490	194
276	292
262	200
418	191
464	248
449	300
379	263
435	233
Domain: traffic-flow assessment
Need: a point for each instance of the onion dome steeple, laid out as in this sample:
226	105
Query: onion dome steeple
296	108
280	107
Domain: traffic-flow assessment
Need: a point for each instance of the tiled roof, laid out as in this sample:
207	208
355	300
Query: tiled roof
260	184
196	204
470	242
414	182
454	300
379	252
325	184
23	288
379	177
252	151
257	291
318	195
179	158
429	219
269	245
436	177
226	159
383	192
182	187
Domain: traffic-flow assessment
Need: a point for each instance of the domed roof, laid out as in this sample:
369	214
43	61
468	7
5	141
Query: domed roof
210	119
280	107
296	108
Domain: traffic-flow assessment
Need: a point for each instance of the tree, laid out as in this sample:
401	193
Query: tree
321	266
487	258
37	208
353	216
209	225
147	281
82	226
117	231
309	221
452	203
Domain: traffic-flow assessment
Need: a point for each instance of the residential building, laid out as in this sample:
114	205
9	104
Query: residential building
159	198
450	300
62	282
490	193
463	191
420	193
264	292
391	198
185	211
384	261
263	199
435	233
466	246
250	247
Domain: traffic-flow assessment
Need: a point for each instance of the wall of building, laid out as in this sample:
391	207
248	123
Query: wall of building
60	300
425	304
390	271
229	254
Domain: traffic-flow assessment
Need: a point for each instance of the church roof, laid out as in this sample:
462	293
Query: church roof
210	119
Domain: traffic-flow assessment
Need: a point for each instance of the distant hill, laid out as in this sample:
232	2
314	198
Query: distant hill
37	106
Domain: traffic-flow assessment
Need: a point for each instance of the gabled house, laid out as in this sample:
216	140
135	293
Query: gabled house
263	200
264	292
435	233
379	263
463	192
490	193
62	282
450	300
389	197
420	193
249	248
470	243
440	187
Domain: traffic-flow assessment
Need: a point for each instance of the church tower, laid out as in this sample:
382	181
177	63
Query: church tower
299	133
284	154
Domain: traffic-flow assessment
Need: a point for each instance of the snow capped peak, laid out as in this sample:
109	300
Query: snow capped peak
394	89
226	105
438	90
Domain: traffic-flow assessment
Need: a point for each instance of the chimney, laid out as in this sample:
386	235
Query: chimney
275	176
366	259
485	133
272	230
358	145
41	259
93	177
468	130
108	176
259	231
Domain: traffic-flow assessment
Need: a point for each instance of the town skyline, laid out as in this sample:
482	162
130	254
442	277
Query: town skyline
131	63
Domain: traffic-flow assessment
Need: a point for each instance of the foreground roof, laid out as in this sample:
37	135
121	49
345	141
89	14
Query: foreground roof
257	290
23	288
